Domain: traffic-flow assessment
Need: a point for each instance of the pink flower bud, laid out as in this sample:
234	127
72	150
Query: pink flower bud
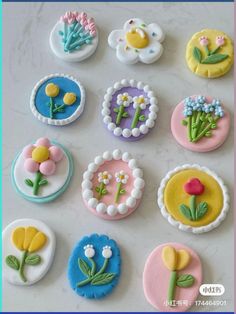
220	41
84	22
93	33
204	41
84	15
64	19
90	20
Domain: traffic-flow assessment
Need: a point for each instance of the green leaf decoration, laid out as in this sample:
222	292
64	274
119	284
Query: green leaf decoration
104	192
184	122
210	119
29	182
97	189
208	134
13	262
43	182
60	110
116	110
185	281
185	211
201	210
125	115
142	118
197	54
213	126
61	33
33	260
212	59
102	279
122	191
84	267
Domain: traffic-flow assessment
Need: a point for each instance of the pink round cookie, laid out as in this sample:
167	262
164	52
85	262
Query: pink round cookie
200	123
113	185
172	277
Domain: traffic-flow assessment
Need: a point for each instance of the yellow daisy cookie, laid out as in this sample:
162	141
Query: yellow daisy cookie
210	53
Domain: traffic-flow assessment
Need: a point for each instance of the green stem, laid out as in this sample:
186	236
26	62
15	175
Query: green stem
171	289
198	123
36	183
93	266
22	264
89	279
101	187
118	192
190	128
193	206
58	108
207	50
51	103
119	115
202	133
136	117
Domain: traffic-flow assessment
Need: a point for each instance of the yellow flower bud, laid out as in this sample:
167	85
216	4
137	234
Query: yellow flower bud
38	242
52	90
18	237
30	232
175	259
69	99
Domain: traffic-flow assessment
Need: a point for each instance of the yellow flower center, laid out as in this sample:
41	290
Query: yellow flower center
124	98
69	99
137	38
105	176
40	154
52	90
140	100
122	176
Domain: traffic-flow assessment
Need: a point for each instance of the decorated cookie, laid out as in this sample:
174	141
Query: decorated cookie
42	171
94	266
172	277
74	37
113	185
57	99
200	123
210	53
137	41
28	251
193	198
129	109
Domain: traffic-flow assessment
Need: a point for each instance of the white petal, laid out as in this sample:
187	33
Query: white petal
151	53
154	28
127	56
113	38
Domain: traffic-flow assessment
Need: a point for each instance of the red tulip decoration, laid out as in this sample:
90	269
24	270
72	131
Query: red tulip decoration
194	212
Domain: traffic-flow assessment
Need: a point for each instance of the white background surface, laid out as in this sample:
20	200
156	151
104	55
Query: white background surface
27	58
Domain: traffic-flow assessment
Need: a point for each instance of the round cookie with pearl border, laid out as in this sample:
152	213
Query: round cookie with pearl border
129	109
42	171
193	198
28	251
74	38
200	123
94	266
172	277
137	41
113	185
57	99
210	53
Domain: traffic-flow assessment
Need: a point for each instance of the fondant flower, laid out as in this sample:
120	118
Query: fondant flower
69	99
121	177
104	177
203	41
137	41
124	100
220	40
28	240
41	159
140	101
89	251
107	252
194	187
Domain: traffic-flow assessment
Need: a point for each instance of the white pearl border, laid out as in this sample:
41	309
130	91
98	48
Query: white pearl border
181	226
106	112
60	122
136	192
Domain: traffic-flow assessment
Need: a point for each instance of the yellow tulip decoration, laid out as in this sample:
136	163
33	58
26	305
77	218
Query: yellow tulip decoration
52	91
28	240
176	260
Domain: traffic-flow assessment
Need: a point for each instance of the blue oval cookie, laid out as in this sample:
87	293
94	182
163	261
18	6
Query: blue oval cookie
94	266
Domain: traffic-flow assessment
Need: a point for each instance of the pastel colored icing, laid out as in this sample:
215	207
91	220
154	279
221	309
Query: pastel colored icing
210	70
156	278
107	206
219	135
29	240
94	248
212	195
58	181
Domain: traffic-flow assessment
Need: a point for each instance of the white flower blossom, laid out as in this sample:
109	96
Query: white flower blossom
89	251
106	252
140	101
121	176
104	177
124	99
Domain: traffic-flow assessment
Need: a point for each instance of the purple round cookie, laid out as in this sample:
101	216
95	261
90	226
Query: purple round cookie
129	109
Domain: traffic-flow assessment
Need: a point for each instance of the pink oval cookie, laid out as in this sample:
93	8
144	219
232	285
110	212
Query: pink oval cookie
195	128
172	276
113	185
